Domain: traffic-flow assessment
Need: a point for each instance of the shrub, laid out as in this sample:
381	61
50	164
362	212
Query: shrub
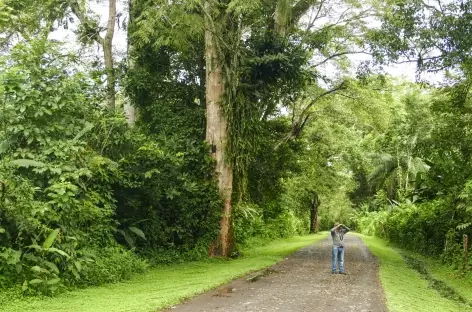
56	183
430	228
286	224
108	265
372	223
248	222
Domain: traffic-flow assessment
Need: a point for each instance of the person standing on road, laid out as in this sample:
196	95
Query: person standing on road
337	233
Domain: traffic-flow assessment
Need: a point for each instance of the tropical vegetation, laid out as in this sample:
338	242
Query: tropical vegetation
225	122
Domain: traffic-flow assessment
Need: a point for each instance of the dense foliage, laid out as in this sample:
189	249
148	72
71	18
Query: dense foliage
57	198
422	184
77	181
88	198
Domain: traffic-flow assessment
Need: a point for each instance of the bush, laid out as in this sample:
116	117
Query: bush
285	225
248	222
56	194
429	228
109	265
421	227
178	255
175	206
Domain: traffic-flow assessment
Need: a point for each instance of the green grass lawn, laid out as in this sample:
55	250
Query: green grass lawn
461	284
162	287
405	289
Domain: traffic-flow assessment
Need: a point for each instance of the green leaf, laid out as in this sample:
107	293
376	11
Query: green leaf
464	226
56	170
137	231
4	145
52	266
78	265
31	257
150	173
27	163
75	273
35	246
127	238
58	251
51	239
14	258
87	128
53	281
39	269
35	281
24	287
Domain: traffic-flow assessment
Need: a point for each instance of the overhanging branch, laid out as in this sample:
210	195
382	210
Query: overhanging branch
335	55
299	123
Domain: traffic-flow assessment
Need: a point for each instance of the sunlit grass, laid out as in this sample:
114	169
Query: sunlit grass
405	289
164	286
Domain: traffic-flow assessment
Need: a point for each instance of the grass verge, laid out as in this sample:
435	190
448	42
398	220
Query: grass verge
164	286
461	284
405	288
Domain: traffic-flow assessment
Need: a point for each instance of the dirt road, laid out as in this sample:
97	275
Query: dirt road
302	282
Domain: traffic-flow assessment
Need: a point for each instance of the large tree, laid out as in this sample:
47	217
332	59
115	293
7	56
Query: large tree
216	119
258	60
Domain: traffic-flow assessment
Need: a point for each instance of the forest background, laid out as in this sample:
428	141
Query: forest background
226	123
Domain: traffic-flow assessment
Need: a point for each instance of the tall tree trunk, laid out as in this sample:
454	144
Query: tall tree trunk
217	131
108	54
315	204
106	43
202	89
130	110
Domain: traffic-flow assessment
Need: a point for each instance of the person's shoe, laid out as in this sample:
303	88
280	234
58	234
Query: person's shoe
333	272
343	273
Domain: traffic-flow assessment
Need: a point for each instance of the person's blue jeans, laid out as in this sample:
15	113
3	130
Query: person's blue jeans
338	257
